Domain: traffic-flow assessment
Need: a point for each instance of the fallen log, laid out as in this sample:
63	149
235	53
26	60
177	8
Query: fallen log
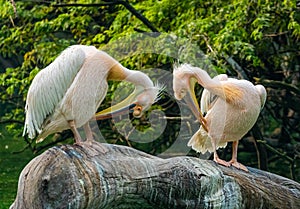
72	176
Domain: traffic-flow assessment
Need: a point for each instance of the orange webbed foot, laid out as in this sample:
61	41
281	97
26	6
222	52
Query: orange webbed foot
238	165
222	162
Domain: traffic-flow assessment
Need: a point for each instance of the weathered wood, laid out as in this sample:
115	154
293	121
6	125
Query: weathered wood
72	176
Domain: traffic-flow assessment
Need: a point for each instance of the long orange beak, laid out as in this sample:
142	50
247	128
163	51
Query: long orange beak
104	114
128	105
192	102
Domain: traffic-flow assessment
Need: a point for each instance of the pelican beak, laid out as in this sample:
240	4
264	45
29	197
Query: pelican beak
193	104
106	114
126	106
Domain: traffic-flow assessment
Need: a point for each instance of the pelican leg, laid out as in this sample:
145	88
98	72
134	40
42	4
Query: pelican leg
77	136
88	132
216	157
233	160
90	137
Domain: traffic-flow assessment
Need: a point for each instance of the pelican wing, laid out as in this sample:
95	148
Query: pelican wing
262	94
49	86
207	100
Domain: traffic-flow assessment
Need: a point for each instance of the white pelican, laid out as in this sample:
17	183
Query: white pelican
67	93
232	107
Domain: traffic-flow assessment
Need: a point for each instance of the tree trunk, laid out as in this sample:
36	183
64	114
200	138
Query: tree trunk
86	176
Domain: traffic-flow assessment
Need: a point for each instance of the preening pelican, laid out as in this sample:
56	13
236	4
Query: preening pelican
231	106
67	93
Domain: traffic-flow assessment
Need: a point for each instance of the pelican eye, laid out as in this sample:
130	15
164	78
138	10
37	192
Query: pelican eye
137	111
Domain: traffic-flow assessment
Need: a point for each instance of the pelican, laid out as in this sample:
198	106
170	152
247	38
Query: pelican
67	93
231	106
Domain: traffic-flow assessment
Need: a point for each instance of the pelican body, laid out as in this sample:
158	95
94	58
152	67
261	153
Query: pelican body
231	108
67	93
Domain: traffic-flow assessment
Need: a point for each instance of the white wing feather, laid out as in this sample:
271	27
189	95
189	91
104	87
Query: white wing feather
206	100
262	94
49	87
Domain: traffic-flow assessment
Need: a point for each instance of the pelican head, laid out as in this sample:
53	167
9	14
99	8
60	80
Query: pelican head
183	86
137	102
144	100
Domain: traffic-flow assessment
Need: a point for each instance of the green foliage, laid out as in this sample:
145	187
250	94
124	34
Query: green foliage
261	36
11	166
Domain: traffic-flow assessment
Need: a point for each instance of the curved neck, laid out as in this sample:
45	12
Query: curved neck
120	73
227	90
203	78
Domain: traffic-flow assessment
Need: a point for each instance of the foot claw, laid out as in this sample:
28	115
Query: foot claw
90	141
238	165
222	162
78	143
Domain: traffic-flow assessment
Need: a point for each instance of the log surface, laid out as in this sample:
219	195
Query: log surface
72	176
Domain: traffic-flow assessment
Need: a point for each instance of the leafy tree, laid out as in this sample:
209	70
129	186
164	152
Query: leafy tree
254	40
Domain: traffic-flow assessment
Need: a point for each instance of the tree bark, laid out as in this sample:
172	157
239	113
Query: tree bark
86	176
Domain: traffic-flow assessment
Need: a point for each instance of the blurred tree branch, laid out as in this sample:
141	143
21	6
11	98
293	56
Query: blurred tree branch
126	4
